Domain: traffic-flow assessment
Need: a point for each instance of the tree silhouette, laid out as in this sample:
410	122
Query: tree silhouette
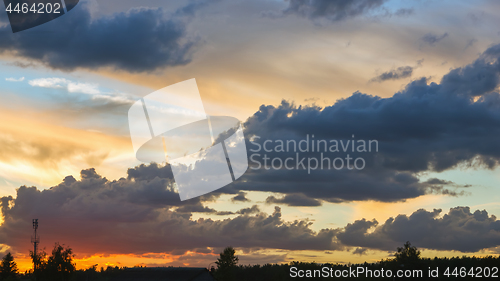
407	254
226	263
61	262
227	258
8	268
58	266
38	260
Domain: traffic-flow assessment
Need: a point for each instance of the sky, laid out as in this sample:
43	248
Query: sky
420	79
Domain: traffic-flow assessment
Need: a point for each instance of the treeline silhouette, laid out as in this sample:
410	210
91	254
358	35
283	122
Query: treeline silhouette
407	260
59	265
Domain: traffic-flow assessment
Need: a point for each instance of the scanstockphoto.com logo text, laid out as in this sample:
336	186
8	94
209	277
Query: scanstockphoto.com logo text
310	153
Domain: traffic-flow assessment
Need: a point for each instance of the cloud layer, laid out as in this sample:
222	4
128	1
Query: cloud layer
432	39
97	216
140	40
425	127
395	74
331	10
137	212
459	230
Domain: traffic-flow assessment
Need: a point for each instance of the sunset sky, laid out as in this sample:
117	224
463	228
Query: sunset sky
420	77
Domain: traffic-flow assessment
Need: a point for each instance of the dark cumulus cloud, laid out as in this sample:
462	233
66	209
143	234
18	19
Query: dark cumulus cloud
432	39
377	184
334	10
295	199
424	127
198	207
97	215
458	230
360	251
241	197
139	40
395	74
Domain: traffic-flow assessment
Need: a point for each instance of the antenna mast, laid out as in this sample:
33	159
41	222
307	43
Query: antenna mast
35	239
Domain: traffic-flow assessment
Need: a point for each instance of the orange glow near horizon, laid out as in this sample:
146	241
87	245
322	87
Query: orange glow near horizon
24	262
194	259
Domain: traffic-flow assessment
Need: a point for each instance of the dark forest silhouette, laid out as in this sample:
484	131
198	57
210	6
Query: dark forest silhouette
59	265
407	257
